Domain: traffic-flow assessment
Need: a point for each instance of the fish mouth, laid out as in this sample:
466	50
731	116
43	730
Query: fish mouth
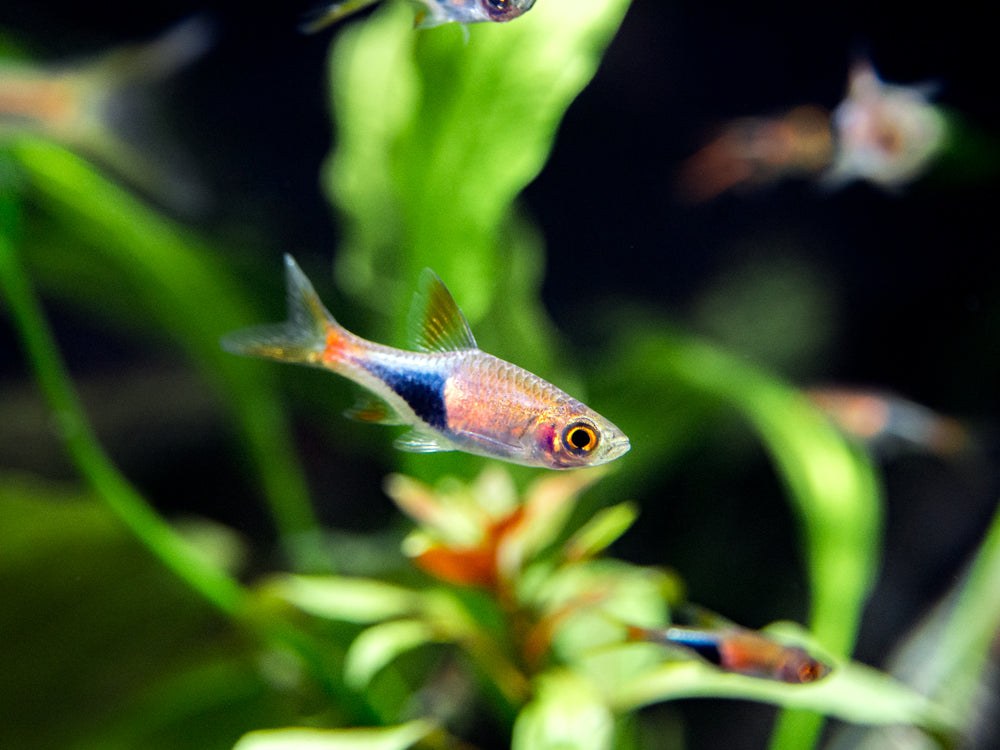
618	446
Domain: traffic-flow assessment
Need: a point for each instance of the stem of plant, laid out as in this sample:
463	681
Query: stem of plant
124	501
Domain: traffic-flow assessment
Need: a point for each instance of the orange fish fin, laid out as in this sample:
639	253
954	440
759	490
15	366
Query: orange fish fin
435	323
371	408
302	338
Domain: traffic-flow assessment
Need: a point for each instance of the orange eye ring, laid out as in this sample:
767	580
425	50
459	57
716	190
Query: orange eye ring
580	438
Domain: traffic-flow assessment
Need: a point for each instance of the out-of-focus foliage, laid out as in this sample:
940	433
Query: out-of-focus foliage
511	614
178	288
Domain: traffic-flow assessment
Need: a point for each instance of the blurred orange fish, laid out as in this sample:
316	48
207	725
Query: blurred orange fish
883	133
96	108
735	649
885	421
453	395
757	151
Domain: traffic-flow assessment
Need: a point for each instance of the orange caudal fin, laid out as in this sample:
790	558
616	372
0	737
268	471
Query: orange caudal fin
304	338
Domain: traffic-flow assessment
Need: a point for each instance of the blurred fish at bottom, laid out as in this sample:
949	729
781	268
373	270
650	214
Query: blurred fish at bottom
886	134
431	13
102	108
888	423
735	649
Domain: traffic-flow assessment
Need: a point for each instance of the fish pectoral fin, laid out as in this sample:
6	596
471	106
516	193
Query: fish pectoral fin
419	440
370	408
435	323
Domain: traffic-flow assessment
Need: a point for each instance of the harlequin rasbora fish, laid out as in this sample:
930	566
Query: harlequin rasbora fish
453	395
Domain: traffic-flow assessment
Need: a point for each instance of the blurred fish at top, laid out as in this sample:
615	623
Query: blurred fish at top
102	108
886	134
431	13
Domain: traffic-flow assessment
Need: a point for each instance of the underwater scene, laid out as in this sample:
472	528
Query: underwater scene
662	406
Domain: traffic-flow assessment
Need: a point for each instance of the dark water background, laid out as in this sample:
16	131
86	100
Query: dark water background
903	288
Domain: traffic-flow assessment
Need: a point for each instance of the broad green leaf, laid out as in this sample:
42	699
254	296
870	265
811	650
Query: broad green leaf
852	692
380	644
360	600
567	711
384	738
436	138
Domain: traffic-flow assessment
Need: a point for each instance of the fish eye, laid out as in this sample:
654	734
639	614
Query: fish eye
580	438
505	10
808	671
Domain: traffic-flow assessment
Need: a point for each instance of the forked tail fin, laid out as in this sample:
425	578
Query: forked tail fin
302	338
119	122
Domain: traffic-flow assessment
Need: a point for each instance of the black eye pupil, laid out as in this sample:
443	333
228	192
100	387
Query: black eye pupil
580	438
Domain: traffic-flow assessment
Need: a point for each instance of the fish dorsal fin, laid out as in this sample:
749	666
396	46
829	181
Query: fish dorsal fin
435	323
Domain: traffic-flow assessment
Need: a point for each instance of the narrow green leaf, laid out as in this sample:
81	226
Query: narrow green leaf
92	462
852	692
601	531
396	737
379	645
566	712
972	628
190	294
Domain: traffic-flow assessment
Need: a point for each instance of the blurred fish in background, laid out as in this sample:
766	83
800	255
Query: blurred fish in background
888	423
751	152
432	12
103	109
736	649
886	134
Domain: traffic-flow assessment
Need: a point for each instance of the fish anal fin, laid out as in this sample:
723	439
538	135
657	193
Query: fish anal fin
497	447
422	441
436	324
370	408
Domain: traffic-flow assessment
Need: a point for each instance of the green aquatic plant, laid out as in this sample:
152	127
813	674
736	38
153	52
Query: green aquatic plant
506	604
